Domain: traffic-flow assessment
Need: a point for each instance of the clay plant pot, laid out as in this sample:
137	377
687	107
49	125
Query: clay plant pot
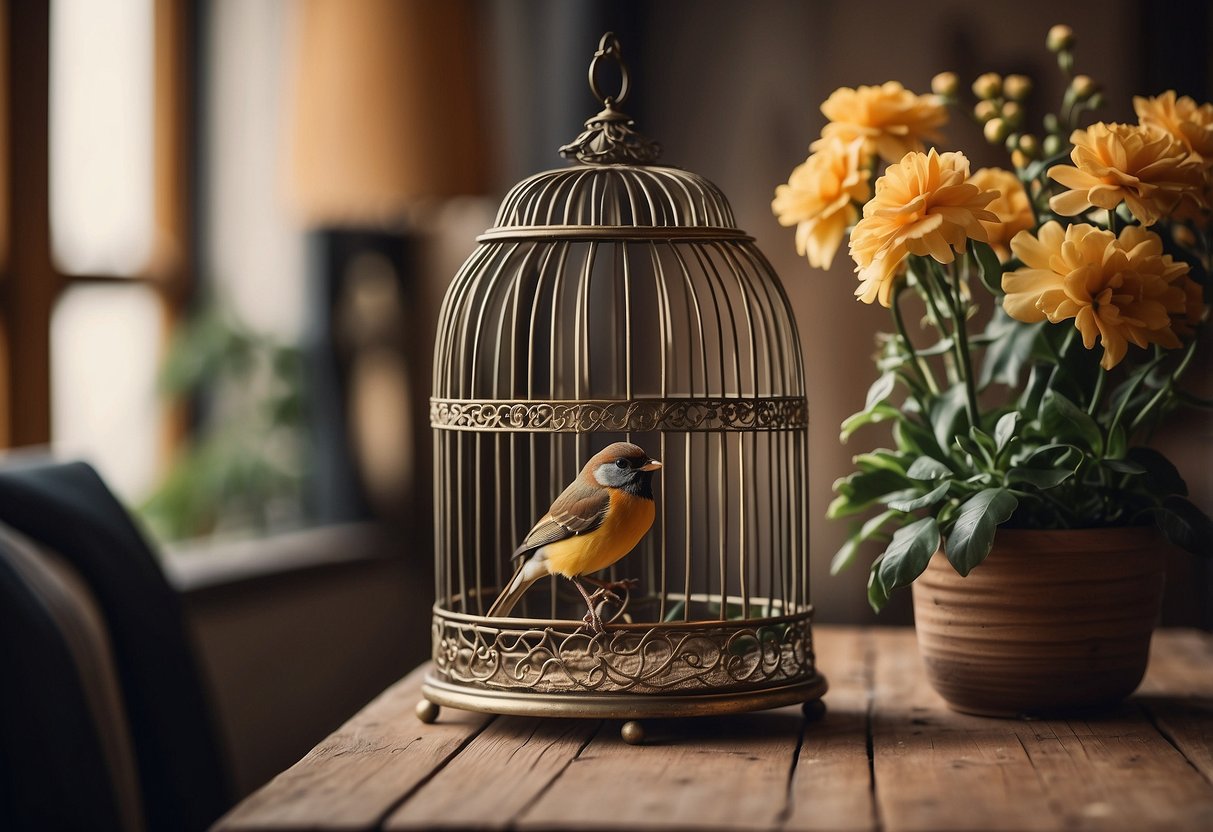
1051	621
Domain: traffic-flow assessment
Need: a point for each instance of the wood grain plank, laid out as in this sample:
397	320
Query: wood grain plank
936	769
940	770
497	776
357	776
1178	694
705	773
831	787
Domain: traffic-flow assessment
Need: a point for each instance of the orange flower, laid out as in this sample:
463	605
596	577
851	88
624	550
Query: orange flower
1180	117
890	119
1193	314
1012	208
923	205
1120	290
1146	168
820	198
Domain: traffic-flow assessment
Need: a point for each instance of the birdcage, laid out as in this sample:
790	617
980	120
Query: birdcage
616	300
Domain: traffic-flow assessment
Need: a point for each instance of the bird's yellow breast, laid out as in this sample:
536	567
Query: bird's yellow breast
627	520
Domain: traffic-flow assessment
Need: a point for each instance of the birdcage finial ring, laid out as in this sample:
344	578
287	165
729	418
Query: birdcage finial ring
609	137
609	47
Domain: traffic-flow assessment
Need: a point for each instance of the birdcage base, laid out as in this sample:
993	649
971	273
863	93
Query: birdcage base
621	706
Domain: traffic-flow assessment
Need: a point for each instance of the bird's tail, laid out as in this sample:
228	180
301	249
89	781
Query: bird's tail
513	592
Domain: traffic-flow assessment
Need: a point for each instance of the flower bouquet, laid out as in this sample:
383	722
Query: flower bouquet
1044	316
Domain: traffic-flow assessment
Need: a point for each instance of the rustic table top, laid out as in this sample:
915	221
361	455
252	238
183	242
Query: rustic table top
887	755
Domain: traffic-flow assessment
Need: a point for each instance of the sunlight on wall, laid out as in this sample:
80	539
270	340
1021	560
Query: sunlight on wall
105	345
101	135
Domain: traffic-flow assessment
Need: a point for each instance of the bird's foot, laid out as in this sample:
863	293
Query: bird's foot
593	622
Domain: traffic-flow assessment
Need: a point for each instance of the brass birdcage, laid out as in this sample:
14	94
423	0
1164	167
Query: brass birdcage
616	299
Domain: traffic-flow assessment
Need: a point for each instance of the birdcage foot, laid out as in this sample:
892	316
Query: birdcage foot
427	711
814	709
632	732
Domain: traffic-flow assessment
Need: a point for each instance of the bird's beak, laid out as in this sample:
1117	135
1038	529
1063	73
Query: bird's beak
651	465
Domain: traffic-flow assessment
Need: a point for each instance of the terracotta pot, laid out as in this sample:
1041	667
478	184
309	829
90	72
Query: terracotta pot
1051	621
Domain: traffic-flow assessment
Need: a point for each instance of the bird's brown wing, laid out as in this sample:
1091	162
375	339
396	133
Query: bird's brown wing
580	509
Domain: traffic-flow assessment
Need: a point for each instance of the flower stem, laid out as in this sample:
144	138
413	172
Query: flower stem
1133	387
960	340
1112	220
928	291
920	363
1165	390
1100	381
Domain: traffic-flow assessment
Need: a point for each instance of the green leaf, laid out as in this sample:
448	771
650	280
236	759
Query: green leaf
1122	466
846	554
880	458
878	596
1011	344
973	533
926	468
1052	454
1042	478
861	489
1118	443
908	554
946	413
879	413
1060	418
1184	525
1162	478
1005	430
989	267
880	390
912	437
930	498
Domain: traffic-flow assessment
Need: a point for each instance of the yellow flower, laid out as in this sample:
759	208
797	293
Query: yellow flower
1120	290
1145	168
923	205
820	198
1186	322
890	119
1012	208
1180	117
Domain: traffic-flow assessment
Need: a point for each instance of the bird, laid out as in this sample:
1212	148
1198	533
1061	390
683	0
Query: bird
595	521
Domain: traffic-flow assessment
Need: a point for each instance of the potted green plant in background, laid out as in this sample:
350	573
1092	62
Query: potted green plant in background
1064	299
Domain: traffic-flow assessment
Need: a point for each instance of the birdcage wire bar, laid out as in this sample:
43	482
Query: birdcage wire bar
620	302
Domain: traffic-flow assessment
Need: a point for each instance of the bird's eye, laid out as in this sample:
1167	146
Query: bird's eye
622	463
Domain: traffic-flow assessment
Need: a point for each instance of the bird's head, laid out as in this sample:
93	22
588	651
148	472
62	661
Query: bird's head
623	465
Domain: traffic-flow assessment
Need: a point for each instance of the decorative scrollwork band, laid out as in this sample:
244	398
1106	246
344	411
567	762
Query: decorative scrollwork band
638	415
719	656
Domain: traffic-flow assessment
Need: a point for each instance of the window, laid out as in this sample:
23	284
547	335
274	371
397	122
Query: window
94	244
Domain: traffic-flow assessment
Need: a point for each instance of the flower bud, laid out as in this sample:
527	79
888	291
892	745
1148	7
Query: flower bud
1017	87
1050	122
988	85
1012	113
1019	159
1183	235
1029	146
1012	142
1096	101
995	130
1083	87
985	110
1060	38
945	84
1052	145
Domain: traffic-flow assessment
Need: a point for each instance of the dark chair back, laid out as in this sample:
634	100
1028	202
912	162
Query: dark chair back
67	509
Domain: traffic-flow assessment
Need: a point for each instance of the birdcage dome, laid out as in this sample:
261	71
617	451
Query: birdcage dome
616	300
614	196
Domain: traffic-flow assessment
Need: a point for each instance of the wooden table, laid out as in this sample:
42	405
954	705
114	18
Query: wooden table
888	755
